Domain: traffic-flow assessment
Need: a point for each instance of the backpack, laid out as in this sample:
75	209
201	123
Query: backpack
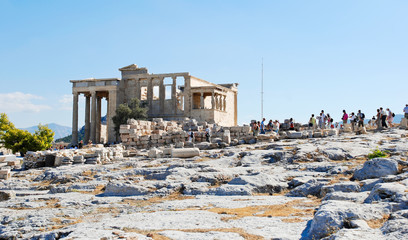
393	114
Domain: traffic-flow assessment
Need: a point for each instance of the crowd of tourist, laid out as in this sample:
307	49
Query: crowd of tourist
262	128
383	119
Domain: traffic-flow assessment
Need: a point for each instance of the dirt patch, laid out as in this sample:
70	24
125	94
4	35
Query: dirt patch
339	178
155	234
49	203
298	208
292	220
59	224
154	200
377	223
203	159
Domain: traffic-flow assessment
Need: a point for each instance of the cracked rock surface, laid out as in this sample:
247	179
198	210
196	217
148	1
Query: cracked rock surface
320	188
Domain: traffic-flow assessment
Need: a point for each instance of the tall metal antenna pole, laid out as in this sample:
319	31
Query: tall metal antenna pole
262	91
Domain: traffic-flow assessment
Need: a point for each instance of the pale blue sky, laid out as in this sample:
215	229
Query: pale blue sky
329	55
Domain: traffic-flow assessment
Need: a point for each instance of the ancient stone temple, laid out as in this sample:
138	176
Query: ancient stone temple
170	96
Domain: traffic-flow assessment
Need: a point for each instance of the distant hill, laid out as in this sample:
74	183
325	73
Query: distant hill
60	131
68	138
81	133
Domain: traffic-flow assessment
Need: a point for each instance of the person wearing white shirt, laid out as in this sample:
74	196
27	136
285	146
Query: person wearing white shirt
390	118
323	120
383	115
352	121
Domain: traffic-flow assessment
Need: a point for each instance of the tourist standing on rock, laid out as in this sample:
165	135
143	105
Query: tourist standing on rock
406	111
269	127
80	144
353	120
390	118
372	122
276	126
378	122
255	129
319	121
190	135
383	115
312	122
329	121
263	126
291	124
361	117
345	117
207	134
324	118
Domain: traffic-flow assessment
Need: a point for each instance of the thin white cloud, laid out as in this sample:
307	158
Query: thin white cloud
20	102
65	102
66	99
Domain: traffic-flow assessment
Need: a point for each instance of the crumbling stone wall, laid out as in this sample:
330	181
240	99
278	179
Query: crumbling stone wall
156	133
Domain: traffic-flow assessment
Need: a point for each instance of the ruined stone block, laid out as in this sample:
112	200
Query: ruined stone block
404	123
13	163
5	174
185	152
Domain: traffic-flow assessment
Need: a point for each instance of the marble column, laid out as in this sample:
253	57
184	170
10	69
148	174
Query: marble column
174	95
111	113
162	95
74	140
93	117
235	109
187	97
224	103
212	101
87	117
98	120
138	90
107	119
150	94
202	100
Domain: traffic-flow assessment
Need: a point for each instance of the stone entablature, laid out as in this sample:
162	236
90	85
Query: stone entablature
171	96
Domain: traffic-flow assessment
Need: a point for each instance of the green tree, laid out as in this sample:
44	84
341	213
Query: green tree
5	124
18	140
43	138
134	109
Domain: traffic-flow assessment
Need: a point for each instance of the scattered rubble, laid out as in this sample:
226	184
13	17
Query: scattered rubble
313	188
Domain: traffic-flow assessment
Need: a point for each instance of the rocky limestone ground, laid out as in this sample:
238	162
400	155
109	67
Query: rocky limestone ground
322	188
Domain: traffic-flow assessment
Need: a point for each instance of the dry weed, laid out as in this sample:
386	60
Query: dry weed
155	234
154	200
377	223
289	209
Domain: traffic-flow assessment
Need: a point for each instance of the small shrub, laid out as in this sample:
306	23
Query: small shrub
377	154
